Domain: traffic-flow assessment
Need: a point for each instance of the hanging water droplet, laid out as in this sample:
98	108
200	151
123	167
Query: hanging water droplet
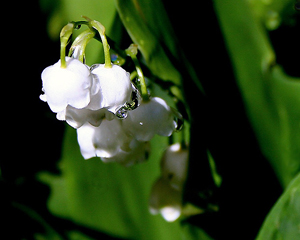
135	97
121	113
135	100
179	124
178	119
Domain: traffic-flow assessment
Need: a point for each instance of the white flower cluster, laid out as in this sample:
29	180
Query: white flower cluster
167	191
90	99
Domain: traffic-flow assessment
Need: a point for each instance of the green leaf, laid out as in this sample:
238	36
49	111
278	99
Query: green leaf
272	13
108	197
149	27
282	223
271	97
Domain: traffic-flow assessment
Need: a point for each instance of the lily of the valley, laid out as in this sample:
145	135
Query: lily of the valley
167	192
67	86
151	117
114	87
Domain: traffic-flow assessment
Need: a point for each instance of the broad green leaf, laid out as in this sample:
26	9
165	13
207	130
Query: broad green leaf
148	27
271	97
282	223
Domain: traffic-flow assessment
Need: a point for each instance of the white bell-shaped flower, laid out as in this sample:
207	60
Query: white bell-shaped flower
165	200
150	118
174	165
167	192
115	87
104	141
67	86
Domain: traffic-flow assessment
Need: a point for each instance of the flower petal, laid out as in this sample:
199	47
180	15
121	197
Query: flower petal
150	118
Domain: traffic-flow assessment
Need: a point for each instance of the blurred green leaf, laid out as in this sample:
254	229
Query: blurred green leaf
271	13
271	97
283	220
108	197
194	233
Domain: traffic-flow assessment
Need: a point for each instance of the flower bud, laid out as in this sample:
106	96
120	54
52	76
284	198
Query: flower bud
174	165
165	200
167	192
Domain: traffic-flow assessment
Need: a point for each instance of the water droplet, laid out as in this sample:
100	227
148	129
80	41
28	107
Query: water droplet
136	97
114	57
178	118
121	113
179	124
135	101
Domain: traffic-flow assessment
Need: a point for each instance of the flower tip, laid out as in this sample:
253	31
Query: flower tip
43	97
175	147
170	214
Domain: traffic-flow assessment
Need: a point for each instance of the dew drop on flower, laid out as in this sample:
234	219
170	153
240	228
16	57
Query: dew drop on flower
129	106
121	113
135	99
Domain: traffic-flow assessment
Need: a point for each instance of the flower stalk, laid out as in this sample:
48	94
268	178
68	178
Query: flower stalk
78	47
65	35
101	30
132	52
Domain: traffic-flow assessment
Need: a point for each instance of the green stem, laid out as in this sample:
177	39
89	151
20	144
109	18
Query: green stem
65	34
141	77
132	52
101	29
79	45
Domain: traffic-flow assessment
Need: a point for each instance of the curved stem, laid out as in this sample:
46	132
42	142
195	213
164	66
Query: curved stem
132	52
65	34
78	47
101	29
